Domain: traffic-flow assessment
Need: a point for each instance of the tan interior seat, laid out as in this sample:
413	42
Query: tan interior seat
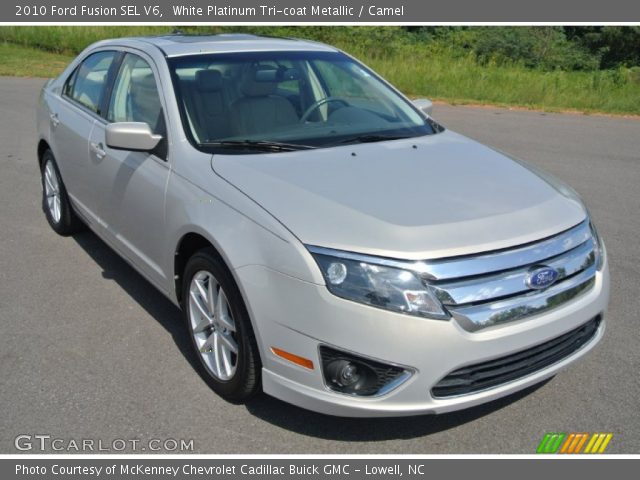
259	110
207	105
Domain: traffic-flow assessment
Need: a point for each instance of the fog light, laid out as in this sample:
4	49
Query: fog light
349	374
354	375
343	373
349	377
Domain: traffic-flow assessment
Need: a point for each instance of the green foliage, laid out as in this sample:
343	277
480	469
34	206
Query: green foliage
70	40
462	80
554	68
615	46
534	47
542	47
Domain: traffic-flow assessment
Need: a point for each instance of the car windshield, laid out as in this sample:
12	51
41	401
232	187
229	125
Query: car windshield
278	101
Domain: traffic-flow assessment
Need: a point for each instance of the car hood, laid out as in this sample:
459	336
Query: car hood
428	197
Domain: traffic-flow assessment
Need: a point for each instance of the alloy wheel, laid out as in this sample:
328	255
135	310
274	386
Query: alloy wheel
212	325
52	191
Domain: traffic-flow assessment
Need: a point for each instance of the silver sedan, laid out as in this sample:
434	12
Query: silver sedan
328	242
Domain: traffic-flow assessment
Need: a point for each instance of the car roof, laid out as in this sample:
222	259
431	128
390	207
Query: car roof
179	44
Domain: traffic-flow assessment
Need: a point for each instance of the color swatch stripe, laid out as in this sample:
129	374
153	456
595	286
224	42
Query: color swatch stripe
582	441
591	442
572	443
606	441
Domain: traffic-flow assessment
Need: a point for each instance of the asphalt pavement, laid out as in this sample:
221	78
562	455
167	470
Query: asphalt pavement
89	350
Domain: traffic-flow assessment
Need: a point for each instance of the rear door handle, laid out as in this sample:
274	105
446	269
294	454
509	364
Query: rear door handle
54	119
98	150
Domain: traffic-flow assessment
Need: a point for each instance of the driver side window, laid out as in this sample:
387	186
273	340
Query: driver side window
135	98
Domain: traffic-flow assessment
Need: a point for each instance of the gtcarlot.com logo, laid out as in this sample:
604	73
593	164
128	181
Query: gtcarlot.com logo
574	443
47	443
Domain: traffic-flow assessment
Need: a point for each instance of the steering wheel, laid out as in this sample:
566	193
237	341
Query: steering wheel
318	104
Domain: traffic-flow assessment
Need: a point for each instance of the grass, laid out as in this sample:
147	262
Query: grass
19	61
462	80
418	69
71	39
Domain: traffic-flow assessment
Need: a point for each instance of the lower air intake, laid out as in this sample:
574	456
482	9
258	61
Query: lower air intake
481	376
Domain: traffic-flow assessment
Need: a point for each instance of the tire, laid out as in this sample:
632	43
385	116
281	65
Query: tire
212	306
55	200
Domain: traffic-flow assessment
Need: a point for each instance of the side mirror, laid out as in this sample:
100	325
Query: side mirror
425	105
136	136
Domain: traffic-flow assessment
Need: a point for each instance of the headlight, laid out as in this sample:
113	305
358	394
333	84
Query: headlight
367	280
599	247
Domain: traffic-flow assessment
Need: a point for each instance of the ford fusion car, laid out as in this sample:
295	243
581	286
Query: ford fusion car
328	242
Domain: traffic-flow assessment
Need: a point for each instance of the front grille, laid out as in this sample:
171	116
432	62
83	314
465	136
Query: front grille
482	376
480	291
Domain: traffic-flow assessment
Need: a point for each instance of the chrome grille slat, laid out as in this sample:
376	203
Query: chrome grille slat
495	288
475	317
459	267
500	285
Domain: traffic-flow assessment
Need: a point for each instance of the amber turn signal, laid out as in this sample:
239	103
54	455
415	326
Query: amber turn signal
303	362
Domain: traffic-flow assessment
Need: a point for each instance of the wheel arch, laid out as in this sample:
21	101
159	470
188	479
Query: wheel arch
190	243
43	146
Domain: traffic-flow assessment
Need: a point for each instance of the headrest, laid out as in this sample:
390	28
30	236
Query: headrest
259	81
281	74
143	82
209	80
144	96
143	90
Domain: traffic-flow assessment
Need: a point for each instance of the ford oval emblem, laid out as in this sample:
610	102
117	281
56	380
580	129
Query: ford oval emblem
541	277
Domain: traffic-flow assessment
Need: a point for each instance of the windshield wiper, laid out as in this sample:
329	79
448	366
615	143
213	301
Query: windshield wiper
263	145
369	138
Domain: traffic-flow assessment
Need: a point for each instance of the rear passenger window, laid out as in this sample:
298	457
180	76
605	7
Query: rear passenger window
86	84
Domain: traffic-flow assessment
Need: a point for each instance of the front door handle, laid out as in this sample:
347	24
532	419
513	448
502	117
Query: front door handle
54	119
98	150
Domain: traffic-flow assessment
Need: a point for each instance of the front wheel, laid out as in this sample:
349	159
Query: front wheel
219	327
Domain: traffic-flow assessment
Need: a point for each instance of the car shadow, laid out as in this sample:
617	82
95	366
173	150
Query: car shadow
138	288
265	407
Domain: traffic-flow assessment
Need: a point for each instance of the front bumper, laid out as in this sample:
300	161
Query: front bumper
298	317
